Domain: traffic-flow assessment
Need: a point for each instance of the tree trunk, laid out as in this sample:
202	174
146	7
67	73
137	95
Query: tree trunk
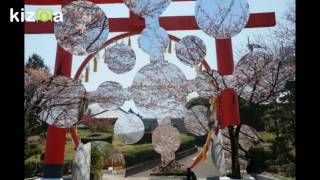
234	139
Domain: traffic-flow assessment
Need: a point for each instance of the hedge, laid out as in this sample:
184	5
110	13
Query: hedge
107	128
97	137
147	138
140	156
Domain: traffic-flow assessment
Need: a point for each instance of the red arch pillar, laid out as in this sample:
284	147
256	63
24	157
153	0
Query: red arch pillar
56	137
227	106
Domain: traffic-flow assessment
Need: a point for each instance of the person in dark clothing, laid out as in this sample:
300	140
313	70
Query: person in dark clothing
191	175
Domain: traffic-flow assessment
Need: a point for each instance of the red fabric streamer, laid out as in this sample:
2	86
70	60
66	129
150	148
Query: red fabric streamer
74	137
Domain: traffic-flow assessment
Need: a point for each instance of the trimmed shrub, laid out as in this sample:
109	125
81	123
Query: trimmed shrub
147	138
200	140
96	163
258	155
30	150
97	137
274	169
187	142
67	167
140	156
32	169
268	136
289	170
107	128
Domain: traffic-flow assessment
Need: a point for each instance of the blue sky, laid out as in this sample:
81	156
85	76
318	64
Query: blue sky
45	44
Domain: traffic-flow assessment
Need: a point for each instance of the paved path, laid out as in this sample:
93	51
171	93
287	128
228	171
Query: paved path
203	170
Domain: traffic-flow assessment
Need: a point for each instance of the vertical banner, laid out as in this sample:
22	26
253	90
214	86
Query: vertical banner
228	108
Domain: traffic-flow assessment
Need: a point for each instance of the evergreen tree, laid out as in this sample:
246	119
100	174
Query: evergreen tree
280	119
36	62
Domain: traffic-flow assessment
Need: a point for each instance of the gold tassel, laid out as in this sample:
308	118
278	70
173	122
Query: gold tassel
170	47
129	42
87	74
77	134
105	55
213	104
97	56
95	64
81	78
212	110
199	68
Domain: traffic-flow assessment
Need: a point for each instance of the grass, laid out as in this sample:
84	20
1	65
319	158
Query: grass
267	136
33	139
185	138
84	132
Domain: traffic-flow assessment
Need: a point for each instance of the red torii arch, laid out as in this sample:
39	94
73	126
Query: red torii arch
54	155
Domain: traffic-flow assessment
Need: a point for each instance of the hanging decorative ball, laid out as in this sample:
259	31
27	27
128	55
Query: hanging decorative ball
207	84
196	120
152	22
129	129
121	58
84	28
159	89
170	47
166	140
87	74
95	64
105	55
145	8
154	42
129	41
190	50
260	77
222	19
109	95
61	100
